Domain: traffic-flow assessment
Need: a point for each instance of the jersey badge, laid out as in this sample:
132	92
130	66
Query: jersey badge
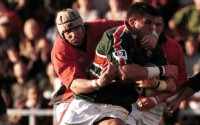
120	54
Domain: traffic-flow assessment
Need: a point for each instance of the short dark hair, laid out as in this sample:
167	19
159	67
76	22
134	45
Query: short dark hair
159	14
141	8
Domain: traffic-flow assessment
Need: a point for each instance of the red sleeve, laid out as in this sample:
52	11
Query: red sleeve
65	65
174	55
181	69
98	27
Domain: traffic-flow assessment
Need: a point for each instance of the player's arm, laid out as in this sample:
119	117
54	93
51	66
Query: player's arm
109	73
135	72
190	88
179	61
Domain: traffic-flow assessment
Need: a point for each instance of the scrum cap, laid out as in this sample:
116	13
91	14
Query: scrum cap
67	19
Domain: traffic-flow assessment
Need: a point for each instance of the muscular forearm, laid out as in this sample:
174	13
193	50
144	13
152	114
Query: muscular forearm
132	72
79	86
187	92
166	96
135	72
108	74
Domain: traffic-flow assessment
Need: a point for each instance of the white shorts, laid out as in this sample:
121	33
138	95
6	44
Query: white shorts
149	117
81	112
60	110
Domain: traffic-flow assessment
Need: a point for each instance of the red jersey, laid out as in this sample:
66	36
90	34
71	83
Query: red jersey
174	56
72	62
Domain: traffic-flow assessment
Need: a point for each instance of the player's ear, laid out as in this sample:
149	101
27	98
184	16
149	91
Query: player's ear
131	21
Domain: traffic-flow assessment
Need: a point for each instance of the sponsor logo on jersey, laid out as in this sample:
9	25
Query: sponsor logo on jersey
120	54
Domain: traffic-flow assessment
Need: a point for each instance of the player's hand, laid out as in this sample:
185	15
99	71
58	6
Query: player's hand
145	103
171	71
108	74
125	71
149	41
149	83
173	106
171	85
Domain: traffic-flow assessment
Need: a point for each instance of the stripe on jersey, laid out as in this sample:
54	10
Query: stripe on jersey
117	41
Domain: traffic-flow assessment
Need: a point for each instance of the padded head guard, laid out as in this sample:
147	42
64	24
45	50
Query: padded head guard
68	19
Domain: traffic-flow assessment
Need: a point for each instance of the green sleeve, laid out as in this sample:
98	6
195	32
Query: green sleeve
105	45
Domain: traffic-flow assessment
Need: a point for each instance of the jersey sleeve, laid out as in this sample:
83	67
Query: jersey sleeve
181	68
65	66
101	56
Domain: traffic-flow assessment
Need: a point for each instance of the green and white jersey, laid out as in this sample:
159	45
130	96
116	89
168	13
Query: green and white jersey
119	46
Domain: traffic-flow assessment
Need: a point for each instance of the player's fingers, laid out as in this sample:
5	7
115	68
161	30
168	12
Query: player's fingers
142	105
104	69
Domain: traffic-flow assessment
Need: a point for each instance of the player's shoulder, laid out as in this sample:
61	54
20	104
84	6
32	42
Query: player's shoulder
60	45
105	22
172	43
102	25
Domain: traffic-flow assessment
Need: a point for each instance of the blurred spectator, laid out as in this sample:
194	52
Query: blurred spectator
192	54
196	67
14	18
147	1
115	11
28	8
167	7
184	2
14	56
3	112
50	83
186	21
86	10
52	33
18	88
33	100
9	62
7	39
53	6
35	47
101	5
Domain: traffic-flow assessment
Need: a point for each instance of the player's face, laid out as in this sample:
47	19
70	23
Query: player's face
75	36
159	25
144	25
